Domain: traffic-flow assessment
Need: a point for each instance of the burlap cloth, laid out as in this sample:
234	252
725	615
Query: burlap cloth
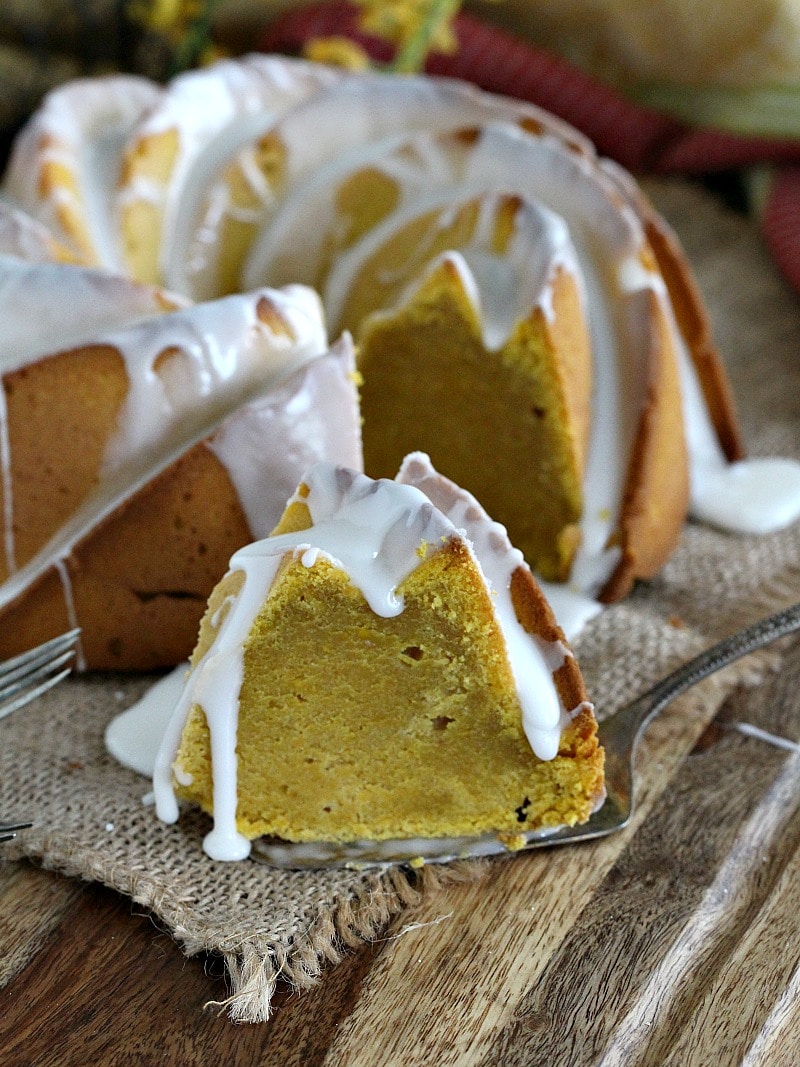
267	924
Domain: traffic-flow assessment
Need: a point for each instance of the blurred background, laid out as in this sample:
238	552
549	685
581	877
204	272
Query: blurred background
707	90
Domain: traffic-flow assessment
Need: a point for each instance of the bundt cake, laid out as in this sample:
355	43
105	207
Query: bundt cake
521	313
382	667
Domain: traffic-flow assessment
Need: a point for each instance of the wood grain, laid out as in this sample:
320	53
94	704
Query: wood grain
676	942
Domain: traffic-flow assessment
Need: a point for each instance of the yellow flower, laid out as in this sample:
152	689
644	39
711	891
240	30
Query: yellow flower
398	21
171	18
414	27
157	15
337	51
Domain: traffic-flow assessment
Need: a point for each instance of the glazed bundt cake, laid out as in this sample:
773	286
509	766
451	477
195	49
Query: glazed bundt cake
521	313
383	667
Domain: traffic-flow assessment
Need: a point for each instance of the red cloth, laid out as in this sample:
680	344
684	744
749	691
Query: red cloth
641	139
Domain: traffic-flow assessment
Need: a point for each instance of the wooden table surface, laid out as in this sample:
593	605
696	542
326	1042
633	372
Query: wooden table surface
675	942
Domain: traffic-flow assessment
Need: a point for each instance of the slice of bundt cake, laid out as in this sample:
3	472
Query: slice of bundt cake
137	460
379	670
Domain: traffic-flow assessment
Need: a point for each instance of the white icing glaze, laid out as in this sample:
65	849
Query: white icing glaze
573	610
133	737
214	112
268	447
222	354
382	111
504	288
225	351
52	307
267	87
83	126
752	496
23	236
377	107
377	532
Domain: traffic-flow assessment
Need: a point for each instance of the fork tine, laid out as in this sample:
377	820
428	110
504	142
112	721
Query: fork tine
9	832
34	673
26	661
31	694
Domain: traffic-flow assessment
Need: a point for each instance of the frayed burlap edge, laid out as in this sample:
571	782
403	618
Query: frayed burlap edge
255	971
256	967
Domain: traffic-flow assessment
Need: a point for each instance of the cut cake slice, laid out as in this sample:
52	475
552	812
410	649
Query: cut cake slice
376	670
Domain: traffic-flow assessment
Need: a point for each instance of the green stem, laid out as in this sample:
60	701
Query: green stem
768	112
197	36
411	56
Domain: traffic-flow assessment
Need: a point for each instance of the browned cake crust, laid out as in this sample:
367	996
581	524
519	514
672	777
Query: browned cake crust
690	312
693	320
656	497
143	576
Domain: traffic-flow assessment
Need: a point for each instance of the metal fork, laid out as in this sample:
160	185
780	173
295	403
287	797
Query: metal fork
26	677
620	734
9	830
32	673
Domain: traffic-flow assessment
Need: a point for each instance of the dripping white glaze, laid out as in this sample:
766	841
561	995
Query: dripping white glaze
750	496
376	532
270	444
250	368
221	352
85	131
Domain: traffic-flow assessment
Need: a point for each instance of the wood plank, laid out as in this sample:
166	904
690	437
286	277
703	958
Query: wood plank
36	901
750	1010
626	979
